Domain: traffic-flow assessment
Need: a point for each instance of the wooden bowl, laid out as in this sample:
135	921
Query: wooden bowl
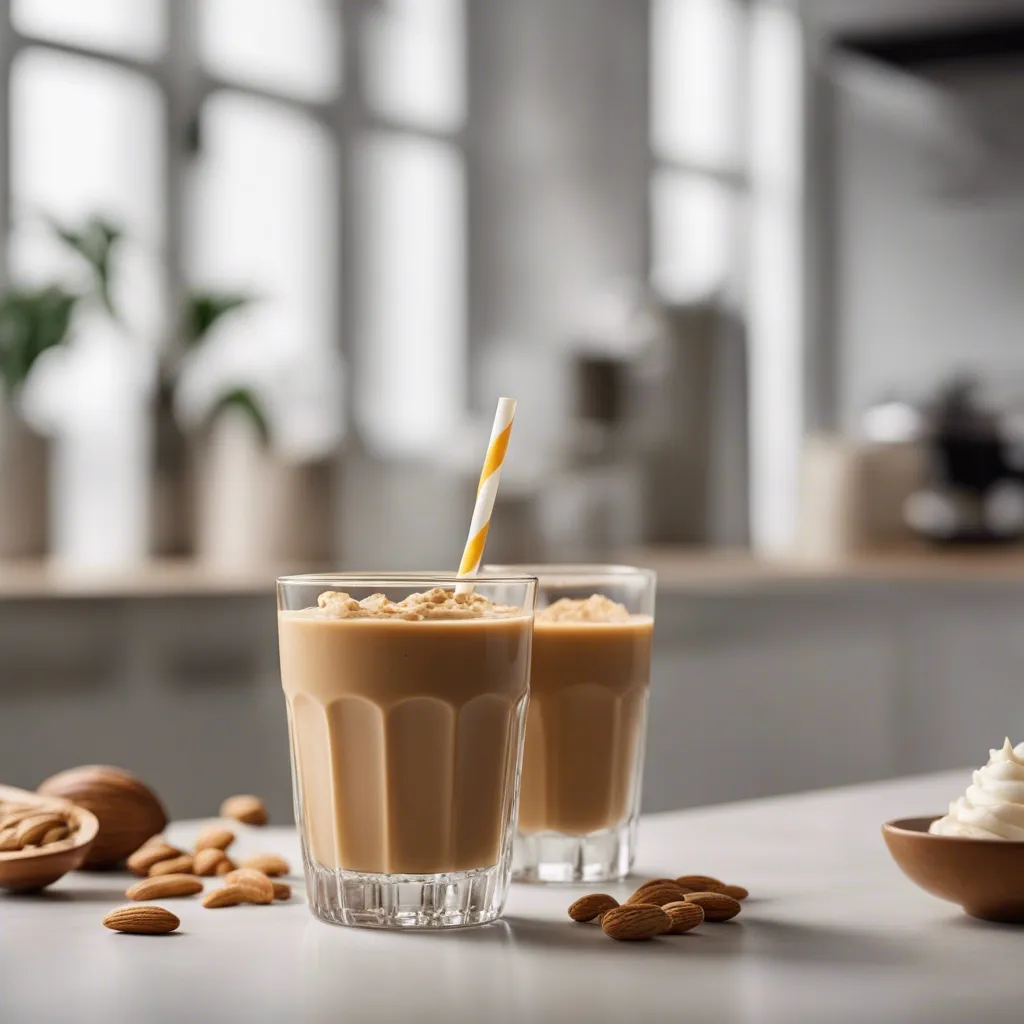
26	870
984	876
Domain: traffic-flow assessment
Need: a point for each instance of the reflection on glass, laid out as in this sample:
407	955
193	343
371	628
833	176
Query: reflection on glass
133	27
414	61
289	46
692	235
412	239
696	79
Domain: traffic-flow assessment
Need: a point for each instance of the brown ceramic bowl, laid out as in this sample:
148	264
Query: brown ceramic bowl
984	876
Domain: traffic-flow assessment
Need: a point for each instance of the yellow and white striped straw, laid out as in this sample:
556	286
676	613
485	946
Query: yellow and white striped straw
486	492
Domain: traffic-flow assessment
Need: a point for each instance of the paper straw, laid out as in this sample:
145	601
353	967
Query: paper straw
486	492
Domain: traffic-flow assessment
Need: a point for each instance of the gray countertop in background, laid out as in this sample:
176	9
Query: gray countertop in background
832	933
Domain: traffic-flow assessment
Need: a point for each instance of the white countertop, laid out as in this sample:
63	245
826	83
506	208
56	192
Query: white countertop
832	933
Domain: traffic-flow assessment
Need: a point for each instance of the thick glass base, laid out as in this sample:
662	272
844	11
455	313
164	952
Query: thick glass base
458	899
604	856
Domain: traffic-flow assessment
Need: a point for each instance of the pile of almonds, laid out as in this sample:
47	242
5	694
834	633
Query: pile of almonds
28	828
662	906
167	872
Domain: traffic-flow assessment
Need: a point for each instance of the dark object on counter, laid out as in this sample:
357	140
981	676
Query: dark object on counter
974	494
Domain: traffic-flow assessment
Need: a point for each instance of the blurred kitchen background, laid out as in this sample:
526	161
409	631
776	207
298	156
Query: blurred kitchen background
754	270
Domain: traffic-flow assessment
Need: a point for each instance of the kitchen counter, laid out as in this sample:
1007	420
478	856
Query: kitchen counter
832	933
680	570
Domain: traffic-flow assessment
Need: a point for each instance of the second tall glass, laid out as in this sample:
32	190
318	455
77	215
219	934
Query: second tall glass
586	724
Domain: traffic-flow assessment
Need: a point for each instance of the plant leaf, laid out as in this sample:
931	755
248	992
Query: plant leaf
245	400
32	320
94	242
204	309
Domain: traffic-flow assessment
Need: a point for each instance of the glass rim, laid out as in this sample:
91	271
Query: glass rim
368	579
575	570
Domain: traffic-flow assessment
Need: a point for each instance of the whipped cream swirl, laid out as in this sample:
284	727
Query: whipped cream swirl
993	806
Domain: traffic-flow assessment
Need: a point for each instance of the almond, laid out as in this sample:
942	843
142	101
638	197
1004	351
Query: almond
55	835
269	863
282	890
149	854
141	920
207	860
700	883
635	922
716	906
226	866
737	892
214	838
683	916
31	830
162	887
181	865
9	839
586	908
247	809
658	893
255	886
226	896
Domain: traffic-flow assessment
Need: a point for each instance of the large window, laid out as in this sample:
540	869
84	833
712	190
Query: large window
306	152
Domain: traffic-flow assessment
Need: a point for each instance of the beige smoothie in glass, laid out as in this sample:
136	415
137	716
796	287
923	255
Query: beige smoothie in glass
406	710
587	723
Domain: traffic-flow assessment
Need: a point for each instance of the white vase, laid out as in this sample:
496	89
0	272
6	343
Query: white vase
23	485
254	508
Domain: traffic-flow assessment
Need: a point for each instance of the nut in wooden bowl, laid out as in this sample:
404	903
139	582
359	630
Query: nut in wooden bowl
41	839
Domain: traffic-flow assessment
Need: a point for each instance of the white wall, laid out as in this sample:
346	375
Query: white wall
927	283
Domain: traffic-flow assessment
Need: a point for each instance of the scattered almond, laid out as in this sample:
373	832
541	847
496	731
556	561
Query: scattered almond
214	838
716	906
659	893
162	887
737	892
683	916
635	922
225	866
206	861
141	920
282	890
226	896
149	854
181	865
247	809
700	883
586	908
269	863
255	886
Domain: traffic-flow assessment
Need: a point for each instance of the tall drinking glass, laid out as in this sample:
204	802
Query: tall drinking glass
587	722
406	711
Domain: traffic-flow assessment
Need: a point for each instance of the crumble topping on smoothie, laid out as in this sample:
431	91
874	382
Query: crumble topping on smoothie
596	608
434	604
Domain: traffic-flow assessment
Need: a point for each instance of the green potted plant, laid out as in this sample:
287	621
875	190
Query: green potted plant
32	321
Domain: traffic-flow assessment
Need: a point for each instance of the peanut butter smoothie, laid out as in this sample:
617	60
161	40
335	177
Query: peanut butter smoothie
406	720
586	725
589	682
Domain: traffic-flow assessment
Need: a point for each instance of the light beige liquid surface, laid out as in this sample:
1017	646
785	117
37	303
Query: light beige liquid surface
588	701
405	735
